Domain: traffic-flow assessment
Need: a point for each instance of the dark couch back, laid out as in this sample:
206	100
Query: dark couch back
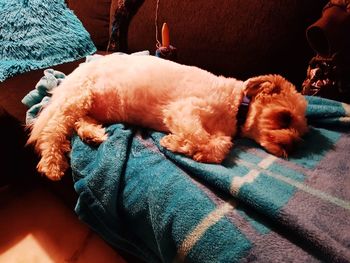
239	38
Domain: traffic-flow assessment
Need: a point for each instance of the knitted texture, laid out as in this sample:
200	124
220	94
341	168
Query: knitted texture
39	33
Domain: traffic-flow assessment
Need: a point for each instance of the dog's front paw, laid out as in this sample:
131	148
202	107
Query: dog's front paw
98	137
207	157
214	151
90	131
177	144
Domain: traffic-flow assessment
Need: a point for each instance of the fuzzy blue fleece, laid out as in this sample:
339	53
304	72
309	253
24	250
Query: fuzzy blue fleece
39	33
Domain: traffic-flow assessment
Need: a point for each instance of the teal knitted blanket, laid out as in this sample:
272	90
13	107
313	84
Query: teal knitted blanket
254	207
39	33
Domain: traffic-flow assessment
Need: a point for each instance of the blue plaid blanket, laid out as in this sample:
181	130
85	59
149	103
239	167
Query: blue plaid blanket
254	207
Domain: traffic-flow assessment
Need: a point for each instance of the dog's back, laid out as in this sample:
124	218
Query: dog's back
134	89
123	88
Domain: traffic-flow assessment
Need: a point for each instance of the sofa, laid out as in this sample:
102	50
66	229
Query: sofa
231	38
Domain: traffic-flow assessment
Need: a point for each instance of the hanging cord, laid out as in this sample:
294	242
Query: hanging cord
167	52
158	44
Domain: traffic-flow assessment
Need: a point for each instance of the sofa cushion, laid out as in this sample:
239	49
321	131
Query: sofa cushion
14	89
235	38
95	16
122	11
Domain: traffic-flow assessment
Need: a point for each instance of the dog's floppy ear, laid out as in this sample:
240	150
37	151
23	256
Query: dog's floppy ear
267	84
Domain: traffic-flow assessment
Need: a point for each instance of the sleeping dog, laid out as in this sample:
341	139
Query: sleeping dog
197	109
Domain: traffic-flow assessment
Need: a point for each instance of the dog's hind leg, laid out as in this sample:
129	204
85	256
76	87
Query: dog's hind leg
53	141
90	131
188	136
53	162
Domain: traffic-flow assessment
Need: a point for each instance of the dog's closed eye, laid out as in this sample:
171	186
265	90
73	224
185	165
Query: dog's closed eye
284	119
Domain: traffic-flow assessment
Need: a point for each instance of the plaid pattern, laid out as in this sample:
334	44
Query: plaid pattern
164	207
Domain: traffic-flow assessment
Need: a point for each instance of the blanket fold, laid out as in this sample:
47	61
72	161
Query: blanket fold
165	207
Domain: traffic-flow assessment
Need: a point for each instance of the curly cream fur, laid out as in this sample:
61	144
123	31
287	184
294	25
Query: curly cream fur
196	108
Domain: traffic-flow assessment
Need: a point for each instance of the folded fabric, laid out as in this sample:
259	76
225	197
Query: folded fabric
37	34
321	111
165	207
51	79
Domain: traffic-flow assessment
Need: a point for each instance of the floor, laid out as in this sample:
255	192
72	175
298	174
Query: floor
36	226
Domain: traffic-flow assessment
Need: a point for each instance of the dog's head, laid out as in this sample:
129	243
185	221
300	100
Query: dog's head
276	117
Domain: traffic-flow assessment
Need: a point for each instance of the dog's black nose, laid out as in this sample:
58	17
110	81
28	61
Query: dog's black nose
291	146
